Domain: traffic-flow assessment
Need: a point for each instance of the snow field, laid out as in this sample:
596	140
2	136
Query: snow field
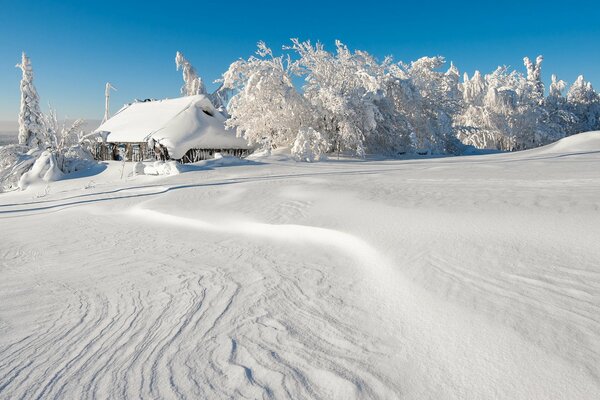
462	277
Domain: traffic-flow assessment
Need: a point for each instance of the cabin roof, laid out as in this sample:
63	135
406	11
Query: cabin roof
178	124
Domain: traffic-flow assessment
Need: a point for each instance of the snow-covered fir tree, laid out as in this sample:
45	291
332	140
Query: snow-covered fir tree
30	115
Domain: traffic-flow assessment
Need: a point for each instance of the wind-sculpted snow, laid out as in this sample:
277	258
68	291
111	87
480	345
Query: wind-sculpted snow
190	326
451	278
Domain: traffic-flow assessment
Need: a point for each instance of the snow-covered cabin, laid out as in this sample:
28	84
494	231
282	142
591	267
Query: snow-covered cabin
187	129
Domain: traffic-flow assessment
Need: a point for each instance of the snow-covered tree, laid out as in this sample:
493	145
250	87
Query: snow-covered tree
221	97
560	119
534	75
343	89
361	105
437	100
584	103
60	136
472	125
267	109
30	116
309	145
557	88
507	111
193	84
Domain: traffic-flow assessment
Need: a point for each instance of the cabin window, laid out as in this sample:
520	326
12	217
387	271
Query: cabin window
207	113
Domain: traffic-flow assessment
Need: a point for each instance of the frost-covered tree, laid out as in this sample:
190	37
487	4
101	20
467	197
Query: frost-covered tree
193	83
267	109
60	136
507	111
309	145
341	91
560	119
473	126
584	103
436	100
30	116
557	88
394	133
360	105
534	76
344	89
221	97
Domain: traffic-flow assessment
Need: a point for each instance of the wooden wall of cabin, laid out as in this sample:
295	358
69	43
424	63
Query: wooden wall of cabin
141	152
194	155
131	151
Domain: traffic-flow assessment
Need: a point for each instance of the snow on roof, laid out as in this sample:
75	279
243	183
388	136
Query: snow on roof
179	124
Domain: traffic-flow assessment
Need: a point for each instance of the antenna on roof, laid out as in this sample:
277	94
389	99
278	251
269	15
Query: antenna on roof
107	103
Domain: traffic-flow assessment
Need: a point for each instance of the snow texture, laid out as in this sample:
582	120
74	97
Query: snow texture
472	277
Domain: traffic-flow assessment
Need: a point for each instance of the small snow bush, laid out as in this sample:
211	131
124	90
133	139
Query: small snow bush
76	158
309	146
163	168
14	162
45	168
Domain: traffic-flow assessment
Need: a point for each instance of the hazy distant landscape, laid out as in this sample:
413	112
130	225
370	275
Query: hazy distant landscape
10	129
8	132
7	138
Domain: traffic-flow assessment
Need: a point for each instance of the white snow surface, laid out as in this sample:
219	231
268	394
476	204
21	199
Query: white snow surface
473	277
179	124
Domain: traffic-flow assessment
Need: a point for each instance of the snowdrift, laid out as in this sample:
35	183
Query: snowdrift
582	142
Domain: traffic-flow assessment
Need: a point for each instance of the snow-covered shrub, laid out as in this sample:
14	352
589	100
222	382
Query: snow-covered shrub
14	162
76	158
45	168
163	168
309	145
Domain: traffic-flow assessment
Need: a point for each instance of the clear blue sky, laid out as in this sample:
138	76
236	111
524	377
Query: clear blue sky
76	46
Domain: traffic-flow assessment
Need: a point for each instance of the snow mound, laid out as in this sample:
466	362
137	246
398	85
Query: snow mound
160	168
44	169
279	154
582	142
